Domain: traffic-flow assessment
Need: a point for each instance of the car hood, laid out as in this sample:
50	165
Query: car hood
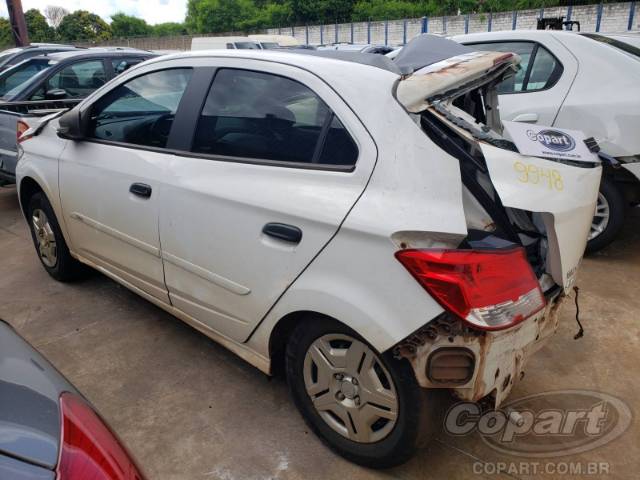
29	410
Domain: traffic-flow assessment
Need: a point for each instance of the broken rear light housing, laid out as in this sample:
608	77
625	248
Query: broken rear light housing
22	127
488	289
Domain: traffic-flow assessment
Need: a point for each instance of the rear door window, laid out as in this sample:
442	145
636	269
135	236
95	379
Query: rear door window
78	80
140	111
539	69
255	115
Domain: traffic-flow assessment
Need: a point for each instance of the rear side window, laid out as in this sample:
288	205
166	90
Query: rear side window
78	80
140	111
539	69
19	74
262	116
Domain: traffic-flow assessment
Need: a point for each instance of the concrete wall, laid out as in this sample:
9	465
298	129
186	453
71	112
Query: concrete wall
614	17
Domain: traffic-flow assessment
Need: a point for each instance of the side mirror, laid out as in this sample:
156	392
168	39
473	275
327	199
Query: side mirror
56	94
72	125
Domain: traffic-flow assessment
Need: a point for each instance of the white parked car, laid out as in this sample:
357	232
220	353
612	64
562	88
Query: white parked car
585	82
324	216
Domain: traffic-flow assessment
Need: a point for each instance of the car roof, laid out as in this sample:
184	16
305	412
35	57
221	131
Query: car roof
95	52
313	60
512	34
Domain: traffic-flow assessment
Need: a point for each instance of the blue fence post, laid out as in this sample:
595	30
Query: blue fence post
466	23
279	30
514	20
404	32
541	14
306	34
599	17
368	31
632	13
293	31
321	34
444	24
351	32
490	21
569	12
386	32
335	32
425	25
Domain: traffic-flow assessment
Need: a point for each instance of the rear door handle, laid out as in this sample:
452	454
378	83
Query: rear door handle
282	231
140	189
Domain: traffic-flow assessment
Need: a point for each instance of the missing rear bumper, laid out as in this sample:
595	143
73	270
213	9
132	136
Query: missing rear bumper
446	353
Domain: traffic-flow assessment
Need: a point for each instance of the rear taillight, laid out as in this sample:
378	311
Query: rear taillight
89	450
22	127
489	289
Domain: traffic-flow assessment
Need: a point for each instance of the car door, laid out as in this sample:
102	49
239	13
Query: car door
535	94
277	160
110	182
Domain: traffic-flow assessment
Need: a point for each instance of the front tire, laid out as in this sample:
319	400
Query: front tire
365	406
609	216
49	242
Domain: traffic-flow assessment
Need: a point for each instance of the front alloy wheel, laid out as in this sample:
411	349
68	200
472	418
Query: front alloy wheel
350	388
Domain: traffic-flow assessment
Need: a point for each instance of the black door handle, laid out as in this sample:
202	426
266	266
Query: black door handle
282	231
141	190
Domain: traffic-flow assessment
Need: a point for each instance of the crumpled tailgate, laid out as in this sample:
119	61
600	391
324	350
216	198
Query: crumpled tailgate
564	194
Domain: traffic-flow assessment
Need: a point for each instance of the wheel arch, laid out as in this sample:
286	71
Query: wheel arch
281	333
27	188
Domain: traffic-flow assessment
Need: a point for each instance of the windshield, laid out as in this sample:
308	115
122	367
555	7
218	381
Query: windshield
14	78
625	47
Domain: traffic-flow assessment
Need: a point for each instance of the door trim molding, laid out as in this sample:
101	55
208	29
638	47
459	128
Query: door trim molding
144	246
206	274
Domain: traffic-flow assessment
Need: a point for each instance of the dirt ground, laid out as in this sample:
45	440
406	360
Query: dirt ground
189	409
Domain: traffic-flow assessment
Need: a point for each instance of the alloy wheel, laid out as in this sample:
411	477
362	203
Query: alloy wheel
46	240
350	388
600	217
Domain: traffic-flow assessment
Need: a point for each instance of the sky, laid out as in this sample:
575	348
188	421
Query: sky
153	11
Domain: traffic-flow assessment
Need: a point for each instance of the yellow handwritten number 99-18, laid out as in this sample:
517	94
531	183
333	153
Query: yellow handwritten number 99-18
530	173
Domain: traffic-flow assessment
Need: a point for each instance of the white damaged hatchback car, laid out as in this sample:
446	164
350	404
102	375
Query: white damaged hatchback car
361	226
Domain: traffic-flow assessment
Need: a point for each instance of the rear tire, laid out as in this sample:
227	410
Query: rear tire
375	427
49	242
611	202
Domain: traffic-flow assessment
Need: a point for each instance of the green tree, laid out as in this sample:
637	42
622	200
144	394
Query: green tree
83	25
6	38
208	16
168	28
37	26
123	25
